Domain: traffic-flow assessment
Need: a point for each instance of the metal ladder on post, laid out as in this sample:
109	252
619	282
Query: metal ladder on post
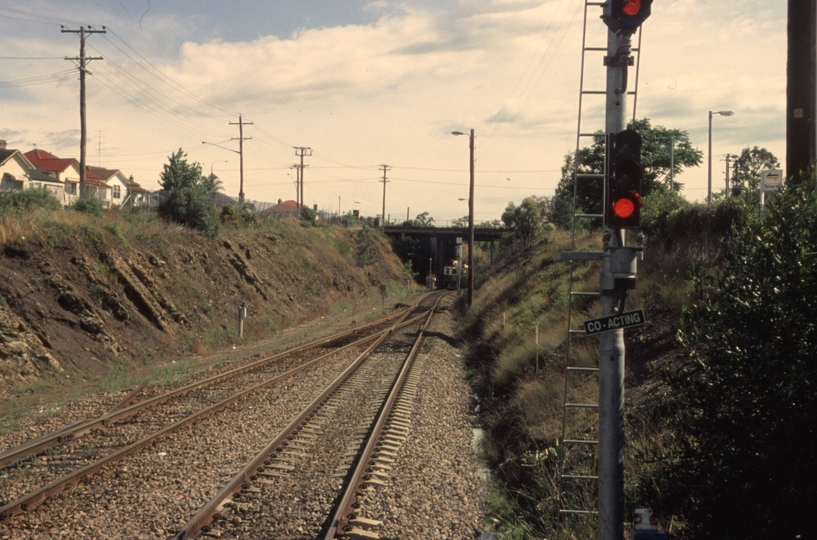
577	476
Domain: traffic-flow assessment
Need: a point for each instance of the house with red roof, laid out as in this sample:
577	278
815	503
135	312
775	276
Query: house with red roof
114	178
60	170
282	209
18	173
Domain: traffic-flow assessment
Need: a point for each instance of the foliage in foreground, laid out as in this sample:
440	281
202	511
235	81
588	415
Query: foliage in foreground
746	409
29	199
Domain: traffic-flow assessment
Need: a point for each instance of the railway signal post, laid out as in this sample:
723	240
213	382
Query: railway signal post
618	276
622	211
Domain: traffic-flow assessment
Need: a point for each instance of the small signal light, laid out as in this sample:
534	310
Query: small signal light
625	16
624	181
632	7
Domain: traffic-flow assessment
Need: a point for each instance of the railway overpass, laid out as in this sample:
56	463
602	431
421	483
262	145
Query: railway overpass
443	240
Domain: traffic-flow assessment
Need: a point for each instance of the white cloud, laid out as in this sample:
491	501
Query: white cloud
392	91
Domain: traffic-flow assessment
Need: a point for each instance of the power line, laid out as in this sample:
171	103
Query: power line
52	20
165	79
39	79
31	58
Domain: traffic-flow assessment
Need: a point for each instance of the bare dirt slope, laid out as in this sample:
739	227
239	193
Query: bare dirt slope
79	298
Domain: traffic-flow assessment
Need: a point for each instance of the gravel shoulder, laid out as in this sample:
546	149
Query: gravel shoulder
437	489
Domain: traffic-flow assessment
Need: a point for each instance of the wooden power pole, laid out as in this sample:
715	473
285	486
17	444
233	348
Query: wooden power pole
302	151
83	69
385	181
241	138
801	90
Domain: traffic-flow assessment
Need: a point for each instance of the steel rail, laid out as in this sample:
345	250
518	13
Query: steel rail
241	480
37	497
345	511
40	444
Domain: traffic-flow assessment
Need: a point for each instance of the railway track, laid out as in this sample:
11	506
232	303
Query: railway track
155	490
312	477
59	460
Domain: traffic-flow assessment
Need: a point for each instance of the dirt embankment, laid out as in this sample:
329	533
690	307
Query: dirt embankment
80	300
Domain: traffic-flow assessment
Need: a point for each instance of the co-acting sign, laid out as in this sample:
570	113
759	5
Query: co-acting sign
628	319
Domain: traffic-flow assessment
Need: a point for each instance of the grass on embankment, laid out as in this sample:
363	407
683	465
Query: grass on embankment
522	407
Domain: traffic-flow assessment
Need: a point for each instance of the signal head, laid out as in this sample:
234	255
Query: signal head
624	181
625	16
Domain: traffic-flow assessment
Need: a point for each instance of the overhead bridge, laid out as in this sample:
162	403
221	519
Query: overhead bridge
481	234
443	240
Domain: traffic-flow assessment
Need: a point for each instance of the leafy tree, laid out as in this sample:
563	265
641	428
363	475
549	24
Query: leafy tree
412	250
191	207
746	406
746	169
212	183
655	163
527	221
424	220
460	222
178	173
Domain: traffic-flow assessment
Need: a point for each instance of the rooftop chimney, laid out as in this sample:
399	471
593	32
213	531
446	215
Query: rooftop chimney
2	144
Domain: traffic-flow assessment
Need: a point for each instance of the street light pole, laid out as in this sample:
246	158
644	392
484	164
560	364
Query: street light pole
470	220
682	138
213	163
709	174
728	157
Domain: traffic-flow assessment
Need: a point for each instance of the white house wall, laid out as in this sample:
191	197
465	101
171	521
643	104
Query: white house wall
12	175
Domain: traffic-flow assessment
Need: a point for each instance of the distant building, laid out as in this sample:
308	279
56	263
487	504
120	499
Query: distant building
282	209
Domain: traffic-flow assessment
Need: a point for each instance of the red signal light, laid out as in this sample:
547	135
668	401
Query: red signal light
632	8
625	16
626	206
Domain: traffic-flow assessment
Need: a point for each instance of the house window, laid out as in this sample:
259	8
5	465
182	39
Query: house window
71	188
116	191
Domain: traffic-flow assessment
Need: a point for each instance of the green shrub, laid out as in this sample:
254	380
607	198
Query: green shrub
192	208
308	217
746	409
228	215
91	206
28	199
363	253
247	216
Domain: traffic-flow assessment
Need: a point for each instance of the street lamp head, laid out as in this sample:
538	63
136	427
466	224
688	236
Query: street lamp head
462	199
457	133
725	113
